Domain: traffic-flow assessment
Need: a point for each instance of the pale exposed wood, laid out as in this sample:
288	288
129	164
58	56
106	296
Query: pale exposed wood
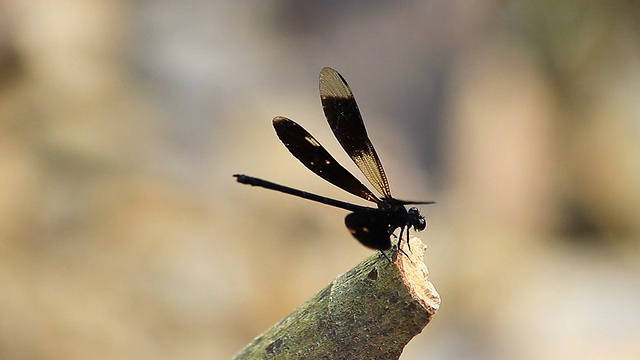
370	312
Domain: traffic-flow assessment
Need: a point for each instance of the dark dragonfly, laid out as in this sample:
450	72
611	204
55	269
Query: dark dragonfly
373	227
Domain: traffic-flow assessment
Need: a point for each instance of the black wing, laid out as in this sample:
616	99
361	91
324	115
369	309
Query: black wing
314	156
344	118
408	202
370	227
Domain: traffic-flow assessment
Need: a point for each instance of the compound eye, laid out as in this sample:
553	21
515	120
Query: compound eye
418	221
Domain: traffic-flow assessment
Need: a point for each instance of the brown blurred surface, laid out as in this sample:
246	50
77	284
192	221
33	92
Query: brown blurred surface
123	234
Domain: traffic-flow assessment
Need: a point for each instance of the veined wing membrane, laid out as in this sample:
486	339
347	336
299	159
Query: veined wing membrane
311	154
341	111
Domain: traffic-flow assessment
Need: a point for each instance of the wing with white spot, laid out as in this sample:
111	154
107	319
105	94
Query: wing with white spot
370	227
314	156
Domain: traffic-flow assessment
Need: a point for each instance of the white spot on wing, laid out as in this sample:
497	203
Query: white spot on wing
312	141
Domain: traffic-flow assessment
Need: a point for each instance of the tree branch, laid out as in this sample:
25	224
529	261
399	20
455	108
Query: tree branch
370	312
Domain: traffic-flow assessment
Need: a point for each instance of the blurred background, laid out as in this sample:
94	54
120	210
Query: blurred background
123	234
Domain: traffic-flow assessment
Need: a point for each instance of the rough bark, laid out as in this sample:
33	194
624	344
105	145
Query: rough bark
370	312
